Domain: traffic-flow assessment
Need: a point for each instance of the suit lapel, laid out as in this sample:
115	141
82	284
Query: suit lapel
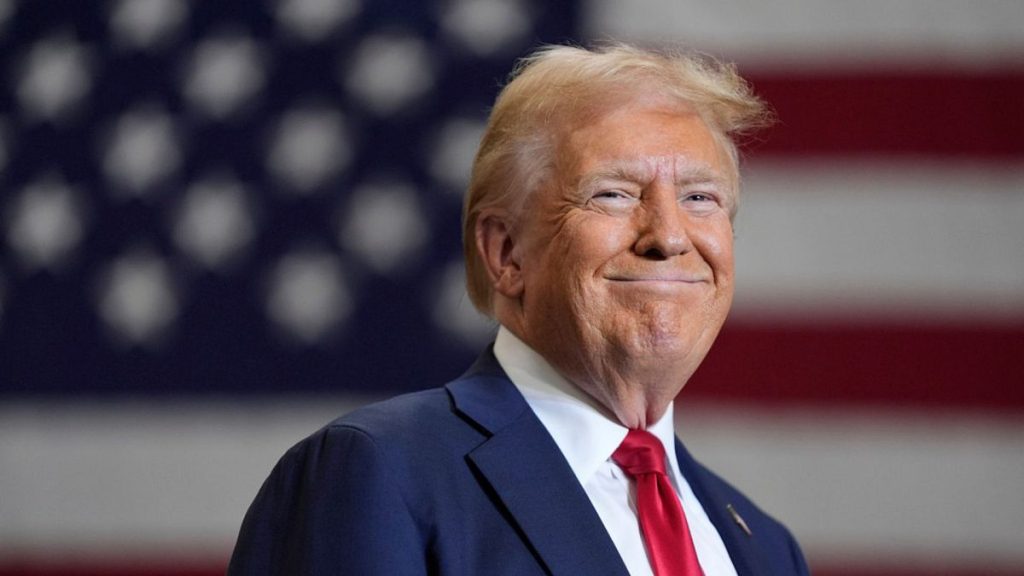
530	478
533	482
744	549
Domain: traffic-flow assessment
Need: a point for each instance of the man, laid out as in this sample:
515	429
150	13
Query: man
598	232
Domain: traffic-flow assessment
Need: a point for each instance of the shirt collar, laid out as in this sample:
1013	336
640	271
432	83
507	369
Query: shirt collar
585	432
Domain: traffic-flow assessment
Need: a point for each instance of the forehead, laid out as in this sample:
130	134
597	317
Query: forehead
644	142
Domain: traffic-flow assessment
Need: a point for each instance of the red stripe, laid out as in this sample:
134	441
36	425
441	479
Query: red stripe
910	113
911	571
930	367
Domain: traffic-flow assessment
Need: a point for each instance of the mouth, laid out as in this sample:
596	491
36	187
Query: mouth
658	279
658	286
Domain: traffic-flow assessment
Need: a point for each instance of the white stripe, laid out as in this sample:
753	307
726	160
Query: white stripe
869	240
822	33
126	479
881	488
153	477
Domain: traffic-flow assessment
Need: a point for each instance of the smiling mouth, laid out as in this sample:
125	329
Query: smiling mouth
657	279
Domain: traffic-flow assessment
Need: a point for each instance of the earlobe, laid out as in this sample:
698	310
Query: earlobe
498	249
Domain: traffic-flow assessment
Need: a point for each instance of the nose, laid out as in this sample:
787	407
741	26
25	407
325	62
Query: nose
662	228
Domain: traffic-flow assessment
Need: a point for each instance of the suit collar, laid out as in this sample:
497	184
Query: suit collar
529	476
485	396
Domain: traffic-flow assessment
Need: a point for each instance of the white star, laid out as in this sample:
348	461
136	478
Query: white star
143	151
313	20
389	72
454	313
147	23
452	153
308	147
55	76
307	297
137	298
384	226
214	222
45	223
487	27
223	74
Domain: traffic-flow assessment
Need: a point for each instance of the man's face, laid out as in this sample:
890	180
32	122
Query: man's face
626	255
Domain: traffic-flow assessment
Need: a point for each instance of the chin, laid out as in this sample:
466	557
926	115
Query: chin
681	339
658	344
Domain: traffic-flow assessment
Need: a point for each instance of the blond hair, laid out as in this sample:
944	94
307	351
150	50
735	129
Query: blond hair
559	86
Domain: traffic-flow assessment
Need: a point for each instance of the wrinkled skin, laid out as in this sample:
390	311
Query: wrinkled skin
619	271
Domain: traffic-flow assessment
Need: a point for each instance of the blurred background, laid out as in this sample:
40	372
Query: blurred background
222	224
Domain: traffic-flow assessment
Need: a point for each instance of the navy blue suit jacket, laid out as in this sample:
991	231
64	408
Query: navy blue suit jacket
459	480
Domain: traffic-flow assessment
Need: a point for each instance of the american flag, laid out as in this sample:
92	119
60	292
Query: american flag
224	223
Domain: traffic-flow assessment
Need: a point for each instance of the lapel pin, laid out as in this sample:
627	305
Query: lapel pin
738	519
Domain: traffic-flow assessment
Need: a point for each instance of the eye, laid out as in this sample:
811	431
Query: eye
612	197
612	201
702	202
700	197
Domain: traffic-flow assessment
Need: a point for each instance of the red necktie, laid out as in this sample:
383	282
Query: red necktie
662	522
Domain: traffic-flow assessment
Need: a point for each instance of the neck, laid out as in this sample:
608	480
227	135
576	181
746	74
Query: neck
635	407
637	394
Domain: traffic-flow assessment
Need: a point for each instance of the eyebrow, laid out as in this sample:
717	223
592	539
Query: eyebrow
640	171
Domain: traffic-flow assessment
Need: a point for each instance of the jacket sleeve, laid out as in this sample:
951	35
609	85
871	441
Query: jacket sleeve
330	506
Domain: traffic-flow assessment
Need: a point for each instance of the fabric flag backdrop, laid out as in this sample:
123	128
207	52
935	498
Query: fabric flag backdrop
225	223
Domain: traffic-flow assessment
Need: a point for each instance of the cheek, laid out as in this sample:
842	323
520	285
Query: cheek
601	239
578	263
716	243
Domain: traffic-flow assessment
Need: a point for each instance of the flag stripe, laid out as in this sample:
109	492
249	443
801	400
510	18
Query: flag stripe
880	240
910	112
824	34
142	567
841	365
878	486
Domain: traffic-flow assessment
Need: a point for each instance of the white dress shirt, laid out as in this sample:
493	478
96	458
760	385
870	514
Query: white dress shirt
587	434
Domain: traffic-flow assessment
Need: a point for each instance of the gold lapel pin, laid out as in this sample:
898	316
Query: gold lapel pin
738	519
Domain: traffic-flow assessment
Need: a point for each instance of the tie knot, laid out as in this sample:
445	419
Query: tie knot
640	453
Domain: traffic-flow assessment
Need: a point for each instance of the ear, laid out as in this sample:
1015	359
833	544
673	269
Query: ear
498	249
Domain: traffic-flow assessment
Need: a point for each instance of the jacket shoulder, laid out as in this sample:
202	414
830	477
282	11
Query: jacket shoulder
397	416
